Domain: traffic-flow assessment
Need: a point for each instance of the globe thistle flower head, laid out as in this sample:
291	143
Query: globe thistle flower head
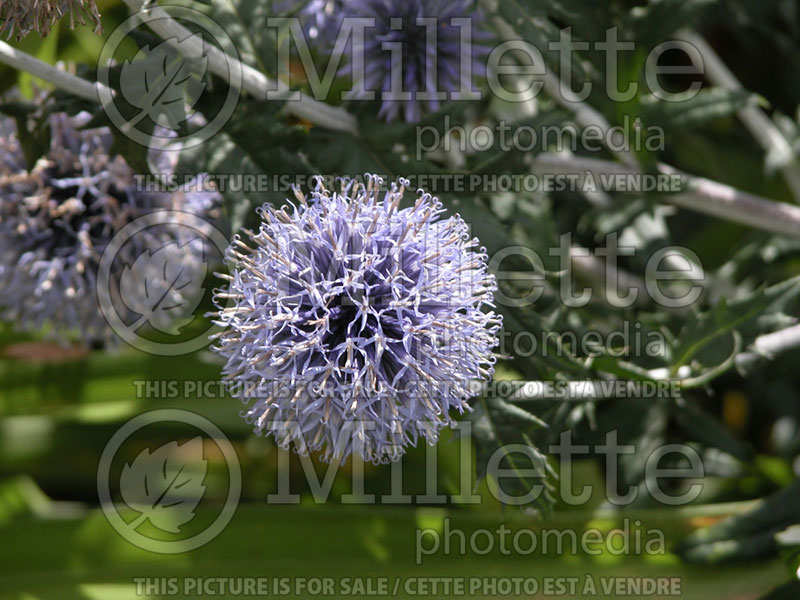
56	219
440	43
354	325
25	16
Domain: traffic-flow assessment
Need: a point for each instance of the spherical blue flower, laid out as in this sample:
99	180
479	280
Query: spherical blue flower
439	42
354	325
57	218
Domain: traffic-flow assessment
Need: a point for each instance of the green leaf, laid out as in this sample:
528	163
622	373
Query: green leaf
257	157
657	21
528	20
20	497
688	112
701	330
749	535
246	24
498	426
709	431
336	153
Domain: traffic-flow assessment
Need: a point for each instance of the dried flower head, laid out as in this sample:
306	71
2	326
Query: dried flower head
25	16
57	218
438	42
354	324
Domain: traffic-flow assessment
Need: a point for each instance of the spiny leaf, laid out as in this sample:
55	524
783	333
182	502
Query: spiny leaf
701	330
498	426
704	428
746	535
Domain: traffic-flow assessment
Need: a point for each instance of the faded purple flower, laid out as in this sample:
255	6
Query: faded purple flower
421	48
355	325
57	217
25	16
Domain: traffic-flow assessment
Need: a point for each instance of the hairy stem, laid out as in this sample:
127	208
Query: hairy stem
699	195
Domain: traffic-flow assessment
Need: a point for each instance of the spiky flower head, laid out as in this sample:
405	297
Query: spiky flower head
57	218
440	45
25	16
354	325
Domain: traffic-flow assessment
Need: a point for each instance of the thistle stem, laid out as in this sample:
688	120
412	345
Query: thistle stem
766	133
703	195
585	115
772	344
700	195
239	74
768	345
598	270
58	77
